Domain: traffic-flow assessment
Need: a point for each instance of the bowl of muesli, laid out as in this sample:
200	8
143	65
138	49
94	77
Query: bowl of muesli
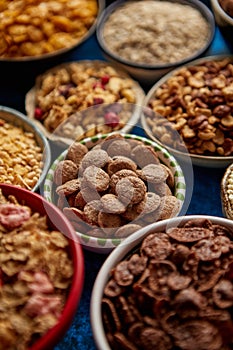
43	30
25	154
189	111
42	271
83	98
112	185
168	286
150	38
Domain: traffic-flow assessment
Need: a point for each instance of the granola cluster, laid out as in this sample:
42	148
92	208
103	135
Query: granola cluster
196	102
35	274
174	291
63	96
114	188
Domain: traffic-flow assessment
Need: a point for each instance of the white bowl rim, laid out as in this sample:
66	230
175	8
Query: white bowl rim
205	11
216	161
46	151
223	13
105	245
116	256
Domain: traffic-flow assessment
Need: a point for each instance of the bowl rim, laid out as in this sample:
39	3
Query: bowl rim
220	11
50	338
205	11
105	245
51	55
46	151
227	207
213	161
117	255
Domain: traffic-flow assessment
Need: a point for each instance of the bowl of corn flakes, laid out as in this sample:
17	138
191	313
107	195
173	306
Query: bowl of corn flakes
35	30
25	153
189	111
112	185
42	271
83	98
168	286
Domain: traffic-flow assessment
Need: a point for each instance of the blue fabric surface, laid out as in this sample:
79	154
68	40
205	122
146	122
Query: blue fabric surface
15	81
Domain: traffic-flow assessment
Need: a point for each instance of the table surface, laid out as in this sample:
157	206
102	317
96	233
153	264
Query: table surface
203	185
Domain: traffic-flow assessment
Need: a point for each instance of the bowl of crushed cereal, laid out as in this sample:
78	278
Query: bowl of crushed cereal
168	286
189	111
149	38
42	271
82	98
25	154
112	185
38	30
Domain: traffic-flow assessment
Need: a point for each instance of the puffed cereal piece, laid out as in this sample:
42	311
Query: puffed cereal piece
65	171
96	178
111	204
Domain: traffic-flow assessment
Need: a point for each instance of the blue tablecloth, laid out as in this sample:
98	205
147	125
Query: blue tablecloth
16	80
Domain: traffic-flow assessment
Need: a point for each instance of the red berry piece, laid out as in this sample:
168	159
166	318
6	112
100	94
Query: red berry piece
111	119
38	113
105	79
97	100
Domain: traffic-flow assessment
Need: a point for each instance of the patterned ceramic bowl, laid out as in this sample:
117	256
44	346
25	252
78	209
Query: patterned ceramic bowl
106	242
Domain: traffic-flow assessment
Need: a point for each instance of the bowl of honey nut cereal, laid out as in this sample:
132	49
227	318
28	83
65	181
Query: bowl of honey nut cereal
82	98
112	185
189	111
170	34
25	154
36	29
223	13
168	286
227	192
42	271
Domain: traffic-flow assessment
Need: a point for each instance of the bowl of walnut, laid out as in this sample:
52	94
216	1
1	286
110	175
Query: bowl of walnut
112	185
25	154
83	98
42	270
168	286
189	111
36	30
170	34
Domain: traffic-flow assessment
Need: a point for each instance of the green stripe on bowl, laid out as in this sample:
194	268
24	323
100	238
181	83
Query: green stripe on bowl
116	241
85	238
49	176
180	196
102	241
180	185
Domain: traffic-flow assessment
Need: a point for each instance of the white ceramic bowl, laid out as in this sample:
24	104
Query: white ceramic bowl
103	244
86	118
212	160
122	252
18	119
223	20
148	73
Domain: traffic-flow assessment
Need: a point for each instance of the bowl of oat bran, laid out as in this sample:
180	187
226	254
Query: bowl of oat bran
149	38
166	287
41	271
25	151
113	184
189	112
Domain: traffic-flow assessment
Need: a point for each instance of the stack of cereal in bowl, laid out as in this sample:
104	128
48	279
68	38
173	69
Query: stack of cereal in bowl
111	185
72	101
168	286
42	272
195	103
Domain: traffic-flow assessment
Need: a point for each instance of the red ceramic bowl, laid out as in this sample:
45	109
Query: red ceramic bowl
56	220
